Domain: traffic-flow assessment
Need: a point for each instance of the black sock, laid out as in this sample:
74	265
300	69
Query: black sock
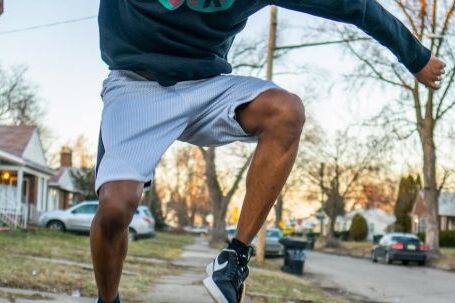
117	300
241	248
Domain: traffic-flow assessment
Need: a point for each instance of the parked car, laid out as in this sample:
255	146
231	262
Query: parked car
79	218
400	247
272	245
230	233
197	229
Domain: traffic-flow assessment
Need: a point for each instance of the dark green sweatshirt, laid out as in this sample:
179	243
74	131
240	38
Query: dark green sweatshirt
178	40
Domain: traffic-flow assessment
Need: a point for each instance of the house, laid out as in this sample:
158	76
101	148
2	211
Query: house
378	221
24	175
63	192
446	212
28	186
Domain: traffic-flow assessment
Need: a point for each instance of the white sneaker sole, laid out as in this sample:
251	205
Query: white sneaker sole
214	291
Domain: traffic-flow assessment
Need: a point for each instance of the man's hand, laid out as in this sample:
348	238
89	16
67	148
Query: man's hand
431	74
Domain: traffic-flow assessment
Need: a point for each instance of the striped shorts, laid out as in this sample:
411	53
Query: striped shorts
141	119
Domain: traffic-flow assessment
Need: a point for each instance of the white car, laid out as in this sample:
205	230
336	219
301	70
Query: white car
79	218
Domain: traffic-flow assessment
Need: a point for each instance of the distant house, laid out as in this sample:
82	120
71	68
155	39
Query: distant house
446	212
63	191
28	186
24	175
378	221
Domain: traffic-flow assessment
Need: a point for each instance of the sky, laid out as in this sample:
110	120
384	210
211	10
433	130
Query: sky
64	62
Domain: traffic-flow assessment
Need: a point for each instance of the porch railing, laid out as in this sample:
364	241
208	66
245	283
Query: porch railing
13	214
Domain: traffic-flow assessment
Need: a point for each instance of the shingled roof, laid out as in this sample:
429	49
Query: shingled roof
14	139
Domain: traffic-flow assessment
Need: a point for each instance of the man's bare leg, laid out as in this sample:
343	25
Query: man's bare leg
277	117
109	234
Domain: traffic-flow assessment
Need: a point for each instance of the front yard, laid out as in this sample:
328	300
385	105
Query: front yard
60	262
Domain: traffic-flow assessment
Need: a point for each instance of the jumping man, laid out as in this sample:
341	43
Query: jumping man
170	81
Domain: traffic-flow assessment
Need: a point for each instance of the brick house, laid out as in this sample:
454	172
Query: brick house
446	212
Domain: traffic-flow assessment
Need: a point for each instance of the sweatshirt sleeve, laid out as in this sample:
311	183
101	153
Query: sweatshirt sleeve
373	19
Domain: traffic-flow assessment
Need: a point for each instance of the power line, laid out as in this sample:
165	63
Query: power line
26	29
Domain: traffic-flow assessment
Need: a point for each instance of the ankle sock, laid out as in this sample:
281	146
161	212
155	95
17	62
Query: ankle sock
241	248
117	300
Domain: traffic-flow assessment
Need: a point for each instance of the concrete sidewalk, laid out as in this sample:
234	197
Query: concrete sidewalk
186	287
30	296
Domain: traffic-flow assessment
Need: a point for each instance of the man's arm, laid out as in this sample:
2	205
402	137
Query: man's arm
373	19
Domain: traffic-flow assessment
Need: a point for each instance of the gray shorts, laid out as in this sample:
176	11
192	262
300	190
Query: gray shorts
141	119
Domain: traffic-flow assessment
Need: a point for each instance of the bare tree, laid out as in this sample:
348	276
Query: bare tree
220	198
337	167
432	24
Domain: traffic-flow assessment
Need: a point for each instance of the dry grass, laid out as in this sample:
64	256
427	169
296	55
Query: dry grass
267	286
29	261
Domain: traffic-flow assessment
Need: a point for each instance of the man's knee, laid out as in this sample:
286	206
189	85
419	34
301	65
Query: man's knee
118	203
287	113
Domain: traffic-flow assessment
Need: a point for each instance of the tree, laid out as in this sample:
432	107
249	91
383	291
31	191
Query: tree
188	195
431	22
154	202
337	168
220	198
19	103
359	228
407	193
84	180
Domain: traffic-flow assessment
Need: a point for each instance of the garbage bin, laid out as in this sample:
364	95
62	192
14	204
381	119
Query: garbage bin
294	255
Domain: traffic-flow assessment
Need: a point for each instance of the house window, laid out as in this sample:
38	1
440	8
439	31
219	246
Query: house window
450	223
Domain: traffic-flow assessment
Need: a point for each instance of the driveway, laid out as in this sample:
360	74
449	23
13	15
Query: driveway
364	281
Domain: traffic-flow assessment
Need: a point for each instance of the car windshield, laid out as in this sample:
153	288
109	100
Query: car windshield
405	239
274	234
147	212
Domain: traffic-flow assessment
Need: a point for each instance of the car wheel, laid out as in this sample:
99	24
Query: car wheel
387	258
405	262
422	263
373	257
132	235
56	225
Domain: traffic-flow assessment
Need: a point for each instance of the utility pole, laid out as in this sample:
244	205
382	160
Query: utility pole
260	247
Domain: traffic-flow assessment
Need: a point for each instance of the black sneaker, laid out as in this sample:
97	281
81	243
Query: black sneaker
226	276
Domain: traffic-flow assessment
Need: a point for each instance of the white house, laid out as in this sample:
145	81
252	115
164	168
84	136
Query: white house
24	175
378	221
28	186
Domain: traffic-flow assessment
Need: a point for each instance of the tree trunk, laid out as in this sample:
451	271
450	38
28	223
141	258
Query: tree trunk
279	210
430	187
155	205
219	211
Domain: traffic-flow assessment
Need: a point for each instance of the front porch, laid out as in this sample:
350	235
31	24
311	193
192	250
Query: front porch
23	194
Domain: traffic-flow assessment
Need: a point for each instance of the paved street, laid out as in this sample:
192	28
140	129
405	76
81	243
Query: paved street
370	282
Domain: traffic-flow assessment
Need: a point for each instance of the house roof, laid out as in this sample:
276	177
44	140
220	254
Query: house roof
446	205
63	179
14	139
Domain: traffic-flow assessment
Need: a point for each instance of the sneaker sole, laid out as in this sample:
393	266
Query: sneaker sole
214	291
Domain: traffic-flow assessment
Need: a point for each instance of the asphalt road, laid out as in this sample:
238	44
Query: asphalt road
364	281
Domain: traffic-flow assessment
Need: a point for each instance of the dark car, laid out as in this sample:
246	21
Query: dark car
400	247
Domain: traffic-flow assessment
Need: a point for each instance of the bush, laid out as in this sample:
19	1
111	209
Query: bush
359	228
446	238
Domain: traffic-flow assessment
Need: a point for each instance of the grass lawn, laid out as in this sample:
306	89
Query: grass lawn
351	248
268	286
37	260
